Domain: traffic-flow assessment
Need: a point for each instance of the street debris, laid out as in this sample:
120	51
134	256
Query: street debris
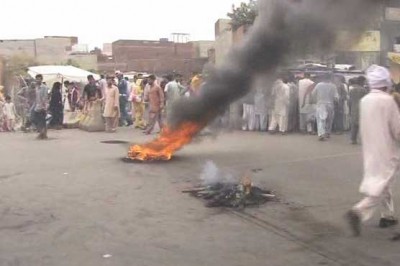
231	195
256	170
220	191
115	142
396	237
107	256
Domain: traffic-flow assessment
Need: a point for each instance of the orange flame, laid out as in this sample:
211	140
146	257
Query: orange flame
165	145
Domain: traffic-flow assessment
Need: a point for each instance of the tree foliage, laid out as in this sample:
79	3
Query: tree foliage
244	14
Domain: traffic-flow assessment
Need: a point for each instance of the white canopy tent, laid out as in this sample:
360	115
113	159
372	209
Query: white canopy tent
56	73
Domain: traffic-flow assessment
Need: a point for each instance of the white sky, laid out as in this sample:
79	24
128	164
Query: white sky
100	21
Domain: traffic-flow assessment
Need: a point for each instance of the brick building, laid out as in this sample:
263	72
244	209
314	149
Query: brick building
159	57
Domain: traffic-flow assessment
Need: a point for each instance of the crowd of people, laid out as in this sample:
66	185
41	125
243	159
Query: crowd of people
317	106
102	105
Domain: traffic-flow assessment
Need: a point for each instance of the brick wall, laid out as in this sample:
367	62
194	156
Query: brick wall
9	48
85	61
201	48
50	50
156	57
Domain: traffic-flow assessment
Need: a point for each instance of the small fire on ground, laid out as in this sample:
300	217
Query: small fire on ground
231	195
165	145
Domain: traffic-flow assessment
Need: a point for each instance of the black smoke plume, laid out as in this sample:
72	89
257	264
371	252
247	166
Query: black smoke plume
284	29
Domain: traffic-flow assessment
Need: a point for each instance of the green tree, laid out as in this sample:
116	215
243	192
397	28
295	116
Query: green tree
244	14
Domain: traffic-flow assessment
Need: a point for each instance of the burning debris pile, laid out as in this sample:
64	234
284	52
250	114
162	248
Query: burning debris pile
231	195
219	191
163	147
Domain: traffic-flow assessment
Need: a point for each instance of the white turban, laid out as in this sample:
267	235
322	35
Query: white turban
378	77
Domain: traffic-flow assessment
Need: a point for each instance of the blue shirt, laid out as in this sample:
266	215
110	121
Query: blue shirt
123	87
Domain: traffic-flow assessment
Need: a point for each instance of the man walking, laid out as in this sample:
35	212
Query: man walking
279	117
308	111
325	94
356	94
111	106
155	96
123	100
304	84
380	133
40	109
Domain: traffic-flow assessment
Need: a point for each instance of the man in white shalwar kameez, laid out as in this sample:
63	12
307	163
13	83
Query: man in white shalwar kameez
325	94
260	110
279	117
304	85
248	113
380	133
173	91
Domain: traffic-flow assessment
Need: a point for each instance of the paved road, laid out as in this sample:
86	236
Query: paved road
70	201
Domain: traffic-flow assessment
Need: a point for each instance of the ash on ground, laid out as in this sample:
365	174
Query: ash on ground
219	190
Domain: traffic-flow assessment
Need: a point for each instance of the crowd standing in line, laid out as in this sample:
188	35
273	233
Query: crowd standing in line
316	105
311	105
